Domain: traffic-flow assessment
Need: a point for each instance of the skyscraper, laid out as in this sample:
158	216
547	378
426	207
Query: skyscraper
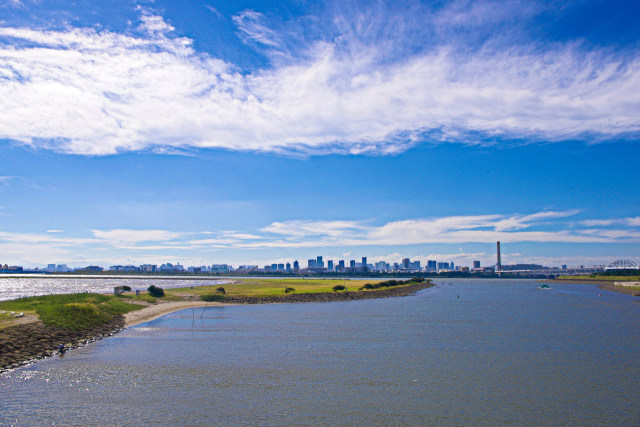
296	265
364	263
319	262
476	264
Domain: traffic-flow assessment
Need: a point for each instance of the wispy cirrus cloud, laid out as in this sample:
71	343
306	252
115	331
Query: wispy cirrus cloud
96	92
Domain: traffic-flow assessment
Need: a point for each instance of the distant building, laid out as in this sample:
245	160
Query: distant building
476	264
312	263
280	267
288	267
220	268
352	263
416	265
330	265
319	262
431	265
148	268
364	263
296	265
341	265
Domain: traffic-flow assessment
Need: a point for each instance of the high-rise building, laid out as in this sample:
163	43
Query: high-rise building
341	265
296	265
288	267
274	267
280	267
499	264
312	263
431	264
51	267
352	263
405	263
330	265
476	264
319	262
416	265
364	263
452	266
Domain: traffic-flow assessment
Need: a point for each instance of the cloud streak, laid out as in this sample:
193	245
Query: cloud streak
97	92
541	227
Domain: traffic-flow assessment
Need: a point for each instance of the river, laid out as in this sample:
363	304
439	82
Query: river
466	352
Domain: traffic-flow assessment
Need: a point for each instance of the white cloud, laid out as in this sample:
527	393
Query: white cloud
93	92
119	244
127	237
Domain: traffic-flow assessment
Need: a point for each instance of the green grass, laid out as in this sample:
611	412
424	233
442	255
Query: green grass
269	287
72	311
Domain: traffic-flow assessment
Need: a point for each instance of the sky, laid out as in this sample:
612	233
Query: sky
255	132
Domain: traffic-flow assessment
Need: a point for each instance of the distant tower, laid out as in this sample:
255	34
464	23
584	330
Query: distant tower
499	265
364	263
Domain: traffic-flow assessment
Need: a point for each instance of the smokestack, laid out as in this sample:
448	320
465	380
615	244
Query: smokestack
499	261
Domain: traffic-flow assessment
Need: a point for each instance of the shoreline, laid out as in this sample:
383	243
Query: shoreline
24	344
606	285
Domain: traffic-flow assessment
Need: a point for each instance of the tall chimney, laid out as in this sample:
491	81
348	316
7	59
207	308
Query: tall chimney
499	261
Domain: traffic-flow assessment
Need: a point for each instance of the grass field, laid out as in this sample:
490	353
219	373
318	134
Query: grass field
267	287
70	311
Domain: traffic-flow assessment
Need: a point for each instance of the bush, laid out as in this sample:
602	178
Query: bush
338	288
221	290
288	289
212	298
155	291
117	290
368	286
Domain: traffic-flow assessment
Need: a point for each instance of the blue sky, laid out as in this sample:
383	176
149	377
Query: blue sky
206	132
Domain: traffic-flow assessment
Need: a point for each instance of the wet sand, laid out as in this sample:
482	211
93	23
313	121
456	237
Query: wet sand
152	312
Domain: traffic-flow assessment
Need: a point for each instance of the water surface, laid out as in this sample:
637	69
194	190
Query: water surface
465	352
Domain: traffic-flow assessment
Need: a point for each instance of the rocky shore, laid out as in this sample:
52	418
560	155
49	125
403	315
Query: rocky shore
330	296
608	286
24	344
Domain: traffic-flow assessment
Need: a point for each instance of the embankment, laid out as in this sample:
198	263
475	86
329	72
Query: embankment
397	291
23	344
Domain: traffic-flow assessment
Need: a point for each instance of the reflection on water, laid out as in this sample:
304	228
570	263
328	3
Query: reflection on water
17	287
504	352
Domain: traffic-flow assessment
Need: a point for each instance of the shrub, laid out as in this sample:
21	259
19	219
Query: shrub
117	290
155	291
221	290
368	286
212	297
288	289
338	288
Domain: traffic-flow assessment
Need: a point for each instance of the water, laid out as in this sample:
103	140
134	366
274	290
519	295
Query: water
504	352
17	287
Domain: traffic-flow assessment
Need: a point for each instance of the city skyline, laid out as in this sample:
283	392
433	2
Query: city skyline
204	132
